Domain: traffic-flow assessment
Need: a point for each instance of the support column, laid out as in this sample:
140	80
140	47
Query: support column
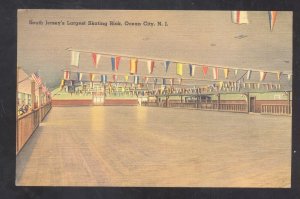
32	94
181	99
289	102
200	97
197	102
104	93
167	101
248	102
219	98
40	103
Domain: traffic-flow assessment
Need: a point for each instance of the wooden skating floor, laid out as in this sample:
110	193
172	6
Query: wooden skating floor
144	146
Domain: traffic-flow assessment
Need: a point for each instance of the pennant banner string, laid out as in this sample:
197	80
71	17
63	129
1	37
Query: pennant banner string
173	61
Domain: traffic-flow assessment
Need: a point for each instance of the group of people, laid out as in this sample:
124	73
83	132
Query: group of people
24	108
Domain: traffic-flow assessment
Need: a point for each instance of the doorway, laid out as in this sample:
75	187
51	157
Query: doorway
252	104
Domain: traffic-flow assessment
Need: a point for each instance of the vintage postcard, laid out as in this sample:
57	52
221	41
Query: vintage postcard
154	98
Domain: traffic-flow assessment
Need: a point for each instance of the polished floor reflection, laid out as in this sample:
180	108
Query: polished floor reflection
142	146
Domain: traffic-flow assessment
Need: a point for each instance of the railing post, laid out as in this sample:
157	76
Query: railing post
40	104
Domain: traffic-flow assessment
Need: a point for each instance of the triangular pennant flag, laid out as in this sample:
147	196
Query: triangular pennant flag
115	77
192	70
136	79
180	81
75	58
166	65
104	78
179	69
79	76
133	65
253	85
66	75
113	64
235	72
44	89
62	83
226	71
92	77
239	17
172	81
221	85
204	69
272	19
279	75
239	85
249	74
117	62
215	73
150	66
96	59
262	75
126	78
146	79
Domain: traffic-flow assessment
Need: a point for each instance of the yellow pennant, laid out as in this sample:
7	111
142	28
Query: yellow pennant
262	75
220	85
179	69
226	71
133	65
126	78
279	75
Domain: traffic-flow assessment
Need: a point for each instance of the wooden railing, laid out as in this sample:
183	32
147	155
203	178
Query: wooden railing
208	106
205	106
152	104
182	105
27	124
234	107
276	109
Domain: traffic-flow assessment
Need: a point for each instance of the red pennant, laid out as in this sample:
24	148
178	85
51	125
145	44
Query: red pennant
94	56
118	58
204	69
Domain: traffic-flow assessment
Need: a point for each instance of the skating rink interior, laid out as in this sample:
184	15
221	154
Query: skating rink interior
156	147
